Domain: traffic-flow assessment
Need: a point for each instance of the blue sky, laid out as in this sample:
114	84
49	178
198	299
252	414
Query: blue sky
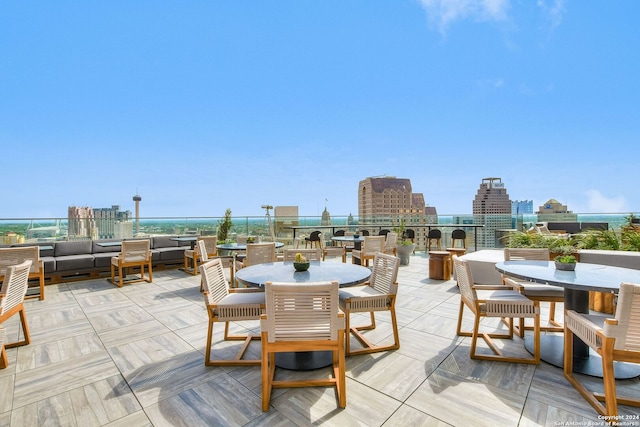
201	106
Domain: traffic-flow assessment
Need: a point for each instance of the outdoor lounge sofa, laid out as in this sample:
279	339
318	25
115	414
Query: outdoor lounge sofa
85	259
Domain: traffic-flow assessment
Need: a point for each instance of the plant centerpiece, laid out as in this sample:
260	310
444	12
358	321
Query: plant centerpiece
251	239
565	262
300	263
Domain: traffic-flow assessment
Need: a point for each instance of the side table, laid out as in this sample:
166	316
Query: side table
439	265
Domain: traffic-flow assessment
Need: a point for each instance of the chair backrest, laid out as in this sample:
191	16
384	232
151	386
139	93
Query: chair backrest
315	236
458	234
201	250
434	234
531	254
260	253
302	311
373	244
384	274
241	240
214	284
210	244
409	234
391	240
627	331
383	232
364	232
465	280
14	286
296	243
349	233
136	250
17	255
339	233
309	254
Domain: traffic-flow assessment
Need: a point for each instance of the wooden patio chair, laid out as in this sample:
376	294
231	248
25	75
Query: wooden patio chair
534	291
614	339
12	293
379	294
333	251
134	254
314	254
228	261
226	305
391	243
302	317
494	301
192	257
260	253
371	246
18	255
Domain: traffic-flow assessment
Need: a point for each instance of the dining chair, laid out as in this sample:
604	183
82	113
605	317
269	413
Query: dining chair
333	251
313	239
494	301
19	254
226	305
434	236
259	253
459	235
391	243
192	256
534	291
614	339
134	253
379	294
370	247
314	254
302	317
12	293
228	261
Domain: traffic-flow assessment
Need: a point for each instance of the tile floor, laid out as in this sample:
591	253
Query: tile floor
133	356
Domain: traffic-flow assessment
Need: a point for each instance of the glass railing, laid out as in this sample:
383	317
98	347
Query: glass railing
482	231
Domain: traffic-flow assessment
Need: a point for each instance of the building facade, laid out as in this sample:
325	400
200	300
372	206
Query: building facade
553	210
82	224
492	208
385	200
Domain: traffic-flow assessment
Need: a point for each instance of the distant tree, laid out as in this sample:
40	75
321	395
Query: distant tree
224	226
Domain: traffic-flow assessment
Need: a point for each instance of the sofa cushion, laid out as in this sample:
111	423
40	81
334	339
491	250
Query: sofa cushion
82	247
102	260
163	242
74	262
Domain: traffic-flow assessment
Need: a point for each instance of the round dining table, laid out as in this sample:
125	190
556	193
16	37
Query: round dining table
240	246
319	271
577	285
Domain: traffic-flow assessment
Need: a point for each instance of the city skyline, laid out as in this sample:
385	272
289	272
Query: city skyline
207	106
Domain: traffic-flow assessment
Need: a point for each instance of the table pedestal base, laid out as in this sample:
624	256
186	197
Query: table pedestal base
552	352
304	360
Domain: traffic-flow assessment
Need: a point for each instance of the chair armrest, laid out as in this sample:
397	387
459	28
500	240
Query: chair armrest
245	290
492	287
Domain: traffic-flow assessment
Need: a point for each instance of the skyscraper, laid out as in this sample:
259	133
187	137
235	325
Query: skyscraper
492	208
389	199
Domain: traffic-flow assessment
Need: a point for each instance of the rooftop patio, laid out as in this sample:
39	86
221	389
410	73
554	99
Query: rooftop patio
134	356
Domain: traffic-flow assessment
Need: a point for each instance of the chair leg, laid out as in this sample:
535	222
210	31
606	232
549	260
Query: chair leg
3	358
25	328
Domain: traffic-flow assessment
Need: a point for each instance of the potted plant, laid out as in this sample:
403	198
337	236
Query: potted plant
405	246
565	262
300	262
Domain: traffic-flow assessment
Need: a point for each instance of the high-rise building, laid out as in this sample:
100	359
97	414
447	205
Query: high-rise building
492	208
553	210
384	200
107	220
521	207
82	223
